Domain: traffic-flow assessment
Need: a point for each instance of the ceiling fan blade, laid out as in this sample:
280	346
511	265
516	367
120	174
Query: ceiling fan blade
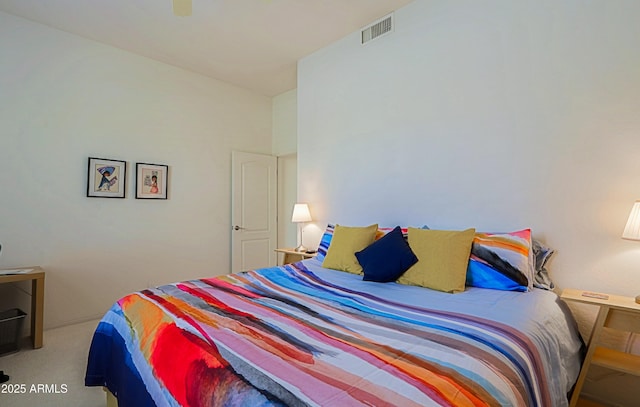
182	8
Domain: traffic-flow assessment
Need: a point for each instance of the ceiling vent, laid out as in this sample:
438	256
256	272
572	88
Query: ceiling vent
377	29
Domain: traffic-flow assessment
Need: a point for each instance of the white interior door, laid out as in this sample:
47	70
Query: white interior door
254	211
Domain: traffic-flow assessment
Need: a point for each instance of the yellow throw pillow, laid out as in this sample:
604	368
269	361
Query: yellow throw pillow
345	243
443	256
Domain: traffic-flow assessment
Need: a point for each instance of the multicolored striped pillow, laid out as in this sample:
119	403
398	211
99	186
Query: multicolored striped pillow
325	242
501	261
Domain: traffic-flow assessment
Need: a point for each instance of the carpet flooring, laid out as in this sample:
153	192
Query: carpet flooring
53	375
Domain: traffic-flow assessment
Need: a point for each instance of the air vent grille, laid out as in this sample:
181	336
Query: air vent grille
377	29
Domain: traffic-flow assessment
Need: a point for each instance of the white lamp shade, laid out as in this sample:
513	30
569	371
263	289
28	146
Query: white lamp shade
301	213
632	230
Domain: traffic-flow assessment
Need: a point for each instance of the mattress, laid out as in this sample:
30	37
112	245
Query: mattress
303	335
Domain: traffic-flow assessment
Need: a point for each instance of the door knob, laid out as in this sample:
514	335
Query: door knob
236	227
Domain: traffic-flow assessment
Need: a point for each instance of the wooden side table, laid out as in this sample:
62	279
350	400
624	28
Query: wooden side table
36	275
616	312
292	256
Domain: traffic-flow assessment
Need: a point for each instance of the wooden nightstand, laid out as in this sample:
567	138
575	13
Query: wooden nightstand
36	276
292	256
616	312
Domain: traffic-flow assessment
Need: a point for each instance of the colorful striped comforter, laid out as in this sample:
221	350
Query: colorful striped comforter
301	335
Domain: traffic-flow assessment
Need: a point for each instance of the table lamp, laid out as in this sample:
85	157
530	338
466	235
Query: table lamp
300	215
632	229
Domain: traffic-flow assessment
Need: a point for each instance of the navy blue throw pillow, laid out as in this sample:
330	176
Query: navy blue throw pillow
387	258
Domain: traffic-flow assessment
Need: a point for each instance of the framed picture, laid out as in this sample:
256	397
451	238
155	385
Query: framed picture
151	181
106	178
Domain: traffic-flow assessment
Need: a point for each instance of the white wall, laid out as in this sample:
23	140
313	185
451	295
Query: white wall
285	146
64	99
287	197
496	114
285	123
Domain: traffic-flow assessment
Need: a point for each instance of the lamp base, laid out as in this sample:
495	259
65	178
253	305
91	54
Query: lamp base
301	248
638	299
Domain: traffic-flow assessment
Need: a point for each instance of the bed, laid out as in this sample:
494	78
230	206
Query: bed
301	335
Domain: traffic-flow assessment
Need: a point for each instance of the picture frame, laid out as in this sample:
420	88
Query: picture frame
152	181
106	178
